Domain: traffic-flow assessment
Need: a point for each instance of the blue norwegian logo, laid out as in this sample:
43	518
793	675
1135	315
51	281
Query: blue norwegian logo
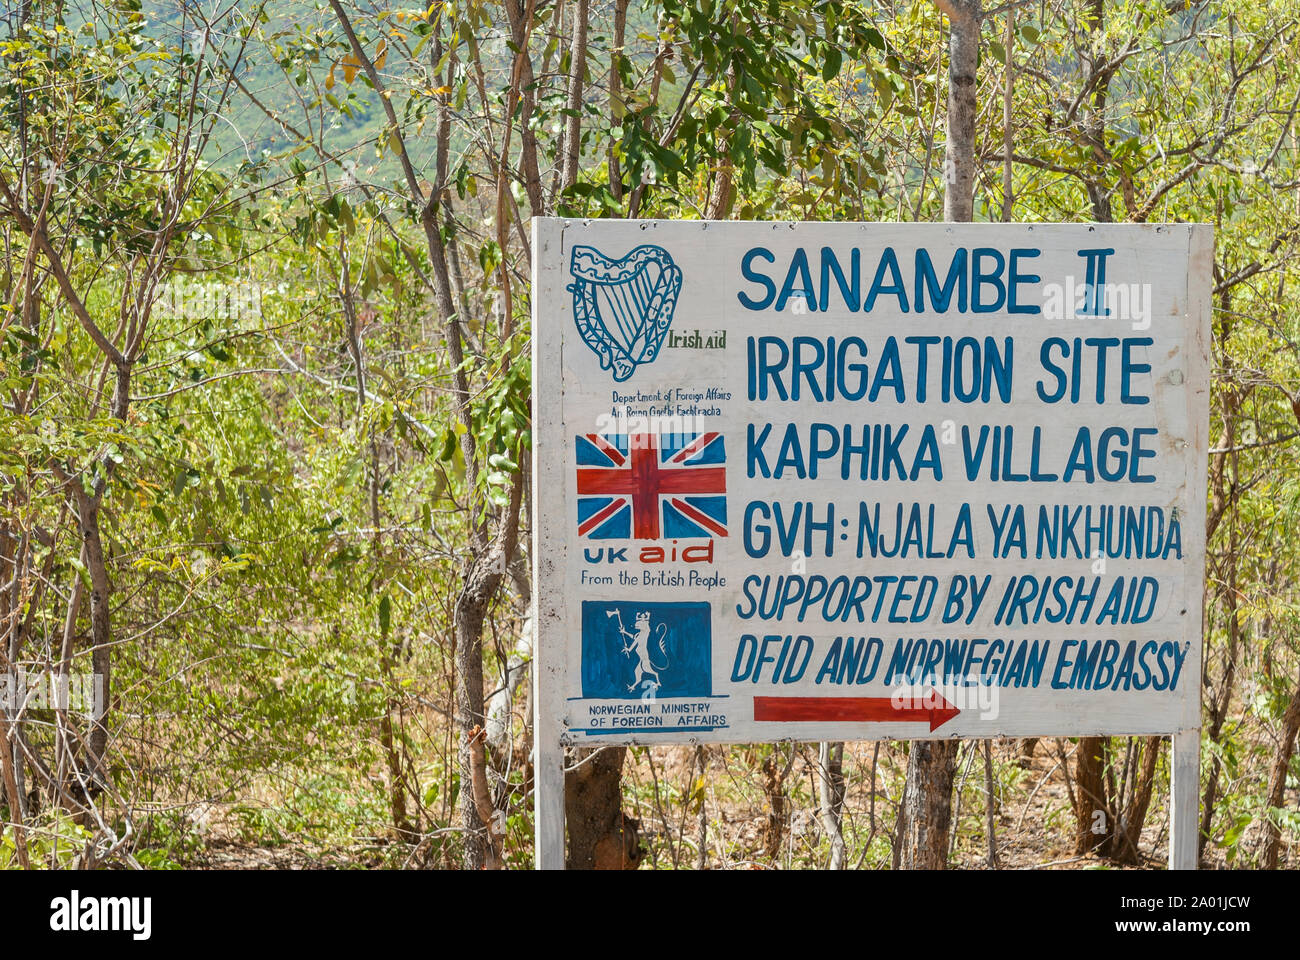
623	308
644	650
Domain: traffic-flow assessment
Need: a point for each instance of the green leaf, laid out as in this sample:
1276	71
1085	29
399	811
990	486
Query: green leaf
831	65
449	443
82	572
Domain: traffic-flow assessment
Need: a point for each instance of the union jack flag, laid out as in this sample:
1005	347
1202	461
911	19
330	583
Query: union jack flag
647	486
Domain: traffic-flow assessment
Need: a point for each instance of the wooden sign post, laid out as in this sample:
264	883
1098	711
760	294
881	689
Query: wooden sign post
864	481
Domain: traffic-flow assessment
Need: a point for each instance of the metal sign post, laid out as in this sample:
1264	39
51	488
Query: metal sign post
863	481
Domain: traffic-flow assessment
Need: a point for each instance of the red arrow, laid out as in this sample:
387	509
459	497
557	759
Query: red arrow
933	709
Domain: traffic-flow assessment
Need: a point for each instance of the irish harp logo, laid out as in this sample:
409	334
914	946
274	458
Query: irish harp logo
623	308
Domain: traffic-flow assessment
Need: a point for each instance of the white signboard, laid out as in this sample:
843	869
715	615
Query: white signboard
838	481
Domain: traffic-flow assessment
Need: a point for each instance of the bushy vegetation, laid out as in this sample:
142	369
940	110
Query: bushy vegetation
265	417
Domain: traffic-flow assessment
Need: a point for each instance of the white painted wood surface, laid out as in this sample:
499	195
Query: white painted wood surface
574	396
1185	795
548	560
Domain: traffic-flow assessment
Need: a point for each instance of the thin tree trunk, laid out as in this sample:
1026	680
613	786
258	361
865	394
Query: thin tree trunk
11	613
830	777
477	815
1094	116
723	192
964	17
1129	829
11	773
12	795
616	95
1282	755
500	706
702	818
520	15
1104	824
1008	126
1220	698
100	630
1277	780
990	805
925	813
387	738
573	105
1092	813
778	819
601	836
